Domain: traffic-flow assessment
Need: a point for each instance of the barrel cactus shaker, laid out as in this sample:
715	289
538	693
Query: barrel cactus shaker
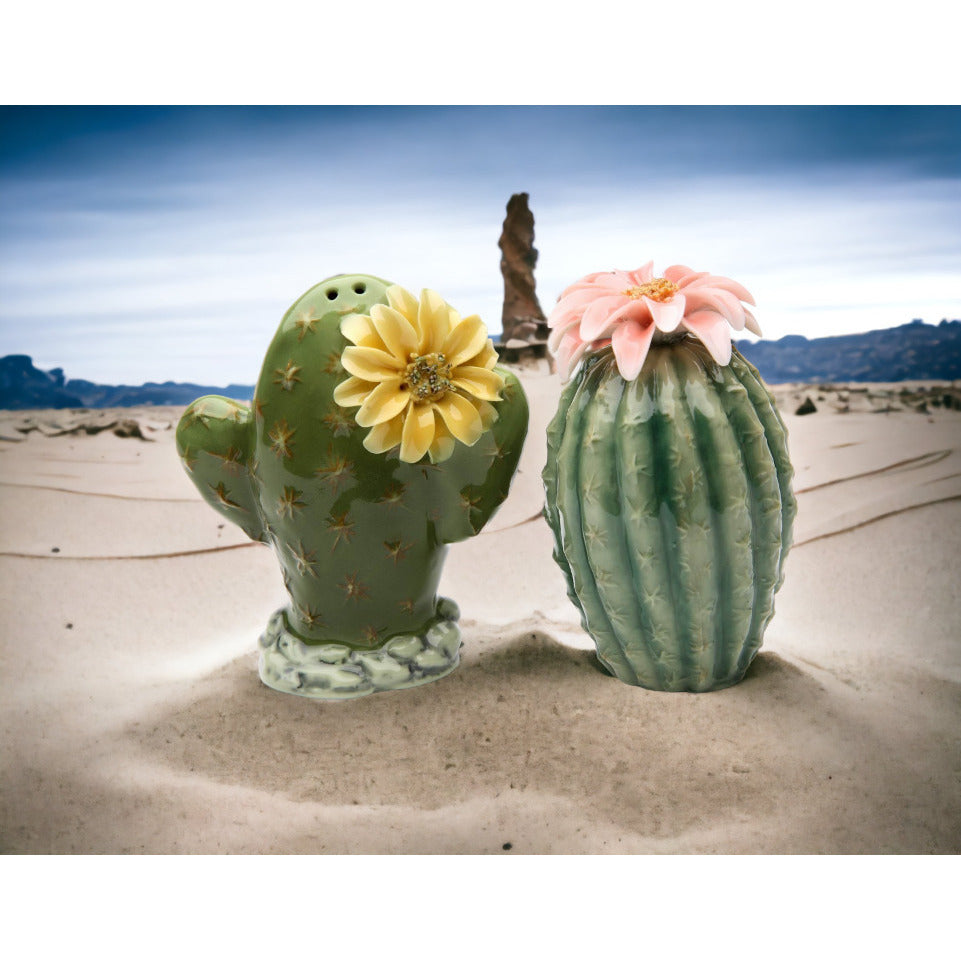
668	480
381	431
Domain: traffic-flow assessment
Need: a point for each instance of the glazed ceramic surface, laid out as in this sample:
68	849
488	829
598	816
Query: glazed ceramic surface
670	501
360	537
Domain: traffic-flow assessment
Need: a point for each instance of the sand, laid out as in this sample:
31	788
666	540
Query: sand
133	720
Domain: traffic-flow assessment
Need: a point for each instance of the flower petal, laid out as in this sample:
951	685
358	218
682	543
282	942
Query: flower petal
615	280
713	330
667	315
464	341
488	414
567	317
383	403
484	384
461	418
713	298
569	355
404	302
487	358
418	432
574	303
442	446
631	342
433	321
678	272
396	331
557	334
643	274
589	280
725	283
369	363
383	437
359	330
632	310
597	318
352	392
629	310
727	304
750	321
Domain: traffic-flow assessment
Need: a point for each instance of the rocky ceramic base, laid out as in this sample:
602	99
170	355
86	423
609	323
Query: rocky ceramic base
336	672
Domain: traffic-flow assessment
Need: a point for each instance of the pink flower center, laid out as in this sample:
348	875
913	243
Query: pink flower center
660	289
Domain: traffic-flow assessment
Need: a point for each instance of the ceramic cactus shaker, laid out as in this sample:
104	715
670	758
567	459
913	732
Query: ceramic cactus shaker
668	480
381	431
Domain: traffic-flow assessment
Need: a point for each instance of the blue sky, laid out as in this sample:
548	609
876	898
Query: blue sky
166	243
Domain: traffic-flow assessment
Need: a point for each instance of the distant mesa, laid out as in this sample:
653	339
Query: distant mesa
914	351
24	387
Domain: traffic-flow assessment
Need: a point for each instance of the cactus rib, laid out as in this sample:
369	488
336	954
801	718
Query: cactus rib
644	533
687	521
607	548
569	504
776	435
555	435
765	507
731	519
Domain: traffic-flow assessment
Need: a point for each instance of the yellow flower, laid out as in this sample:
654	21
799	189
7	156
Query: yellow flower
421	375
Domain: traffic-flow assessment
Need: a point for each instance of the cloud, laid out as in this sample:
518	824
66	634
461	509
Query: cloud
174	253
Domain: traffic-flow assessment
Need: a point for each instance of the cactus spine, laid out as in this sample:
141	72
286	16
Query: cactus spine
670	501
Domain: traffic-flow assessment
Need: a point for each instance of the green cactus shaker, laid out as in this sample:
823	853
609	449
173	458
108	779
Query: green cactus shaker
381	431
668	480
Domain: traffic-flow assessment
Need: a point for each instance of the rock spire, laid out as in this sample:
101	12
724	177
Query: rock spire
523	322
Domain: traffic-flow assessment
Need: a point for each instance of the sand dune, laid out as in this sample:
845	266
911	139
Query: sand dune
134	720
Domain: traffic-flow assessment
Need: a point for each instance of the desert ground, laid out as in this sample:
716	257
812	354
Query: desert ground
133	719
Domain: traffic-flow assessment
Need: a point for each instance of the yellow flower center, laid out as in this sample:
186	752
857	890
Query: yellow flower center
659	289
427	377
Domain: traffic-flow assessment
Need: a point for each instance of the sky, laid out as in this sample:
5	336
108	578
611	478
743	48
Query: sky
162	244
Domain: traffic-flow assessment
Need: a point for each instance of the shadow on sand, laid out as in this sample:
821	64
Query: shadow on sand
526	715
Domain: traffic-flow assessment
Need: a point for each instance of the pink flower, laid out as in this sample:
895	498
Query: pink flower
625	309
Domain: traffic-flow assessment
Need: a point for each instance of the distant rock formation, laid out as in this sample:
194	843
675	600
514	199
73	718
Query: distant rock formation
915	351
523	322
24	387
868	398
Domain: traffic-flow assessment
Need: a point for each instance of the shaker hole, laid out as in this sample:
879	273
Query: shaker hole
360	288
331	293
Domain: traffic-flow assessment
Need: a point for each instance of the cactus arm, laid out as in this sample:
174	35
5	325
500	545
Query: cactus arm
509	432
214	443
488	466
